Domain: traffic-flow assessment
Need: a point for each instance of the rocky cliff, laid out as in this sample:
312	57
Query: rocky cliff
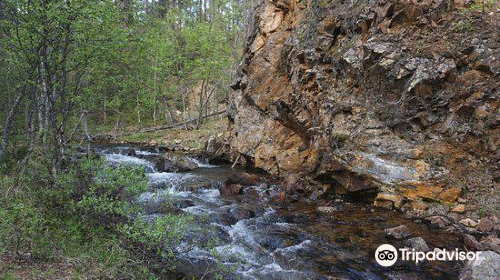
395	96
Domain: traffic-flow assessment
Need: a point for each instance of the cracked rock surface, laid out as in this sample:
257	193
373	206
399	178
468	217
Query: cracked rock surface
386	95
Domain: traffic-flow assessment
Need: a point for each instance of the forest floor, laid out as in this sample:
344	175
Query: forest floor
180	138
75	262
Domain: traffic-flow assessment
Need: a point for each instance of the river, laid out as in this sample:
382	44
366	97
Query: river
262	238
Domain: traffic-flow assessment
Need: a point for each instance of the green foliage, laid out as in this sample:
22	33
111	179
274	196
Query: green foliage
97	192
159	236
479	6
116	61
22	229
88	212
482	213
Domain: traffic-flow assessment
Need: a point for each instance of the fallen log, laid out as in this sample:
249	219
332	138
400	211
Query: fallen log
153	129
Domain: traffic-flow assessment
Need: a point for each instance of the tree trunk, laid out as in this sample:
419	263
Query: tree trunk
8	122
155	88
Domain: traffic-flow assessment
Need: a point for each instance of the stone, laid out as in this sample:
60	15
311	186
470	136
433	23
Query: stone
383	204
315	195
326	209
130	152
217	149
395	199
449	195
459	208
471	242
200	186
299	108
485	225
438	221
490	242
488	246
399	232
418	243
228	190
241	214
244	179
416	190
485	267
419	206
177	163
253	193
468	222
496	229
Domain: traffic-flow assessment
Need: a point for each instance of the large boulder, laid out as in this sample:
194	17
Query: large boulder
236	183
217	149
177	163
243	178
485	267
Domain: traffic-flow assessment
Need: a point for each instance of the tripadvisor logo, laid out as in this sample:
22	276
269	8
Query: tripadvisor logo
386	255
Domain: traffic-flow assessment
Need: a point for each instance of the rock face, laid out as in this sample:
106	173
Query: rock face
387	95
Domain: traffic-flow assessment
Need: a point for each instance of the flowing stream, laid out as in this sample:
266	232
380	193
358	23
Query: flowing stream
260	238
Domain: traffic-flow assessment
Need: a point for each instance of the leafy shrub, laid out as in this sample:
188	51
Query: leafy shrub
88	210
158	238
101	195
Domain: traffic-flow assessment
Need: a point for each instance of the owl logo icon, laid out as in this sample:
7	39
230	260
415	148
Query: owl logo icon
386	255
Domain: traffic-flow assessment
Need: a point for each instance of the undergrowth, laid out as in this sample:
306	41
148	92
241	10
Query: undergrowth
83	223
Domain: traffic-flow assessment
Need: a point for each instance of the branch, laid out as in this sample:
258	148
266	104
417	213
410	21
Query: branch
153	129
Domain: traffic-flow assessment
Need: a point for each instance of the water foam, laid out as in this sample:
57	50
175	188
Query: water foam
201	164
130	160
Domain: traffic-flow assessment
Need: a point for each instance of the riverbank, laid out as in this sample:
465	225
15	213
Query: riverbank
258	235
262	231
177	139
478	228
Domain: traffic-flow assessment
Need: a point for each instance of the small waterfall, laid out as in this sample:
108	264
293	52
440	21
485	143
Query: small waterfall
117	159
201	164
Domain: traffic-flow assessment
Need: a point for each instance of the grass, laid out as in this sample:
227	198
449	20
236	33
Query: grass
97	258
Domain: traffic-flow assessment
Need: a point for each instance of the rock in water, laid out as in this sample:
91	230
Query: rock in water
485	267
177	163
130	152
243	178
399	232
228	190
419	244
